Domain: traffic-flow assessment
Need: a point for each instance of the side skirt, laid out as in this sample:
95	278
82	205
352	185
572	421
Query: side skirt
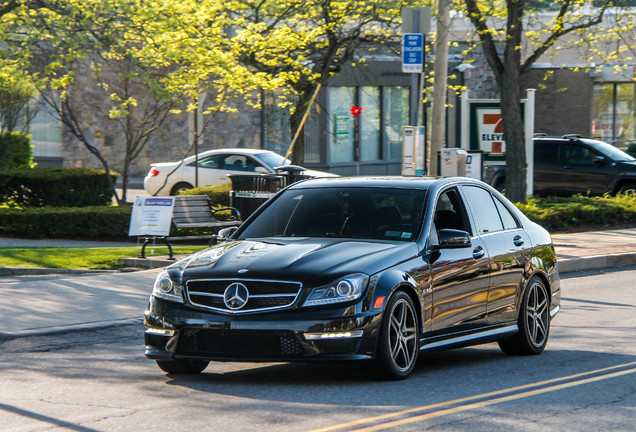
457	340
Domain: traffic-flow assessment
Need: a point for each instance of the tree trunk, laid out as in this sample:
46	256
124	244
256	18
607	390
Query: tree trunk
438	120
298	152
513	126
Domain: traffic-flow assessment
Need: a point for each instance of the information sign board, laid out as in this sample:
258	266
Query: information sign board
151	216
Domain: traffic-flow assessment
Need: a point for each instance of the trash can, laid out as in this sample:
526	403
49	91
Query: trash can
250	191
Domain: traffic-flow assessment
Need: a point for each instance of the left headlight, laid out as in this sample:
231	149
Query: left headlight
344	289
166	289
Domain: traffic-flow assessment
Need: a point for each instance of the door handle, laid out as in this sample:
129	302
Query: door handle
518	240
478	252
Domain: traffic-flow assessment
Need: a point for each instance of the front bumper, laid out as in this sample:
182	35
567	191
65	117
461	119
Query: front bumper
174	331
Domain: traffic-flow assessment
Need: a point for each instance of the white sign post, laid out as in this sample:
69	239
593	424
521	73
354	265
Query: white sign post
413	150
151	216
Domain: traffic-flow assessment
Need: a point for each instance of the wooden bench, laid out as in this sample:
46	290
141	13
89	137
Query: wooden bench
196	211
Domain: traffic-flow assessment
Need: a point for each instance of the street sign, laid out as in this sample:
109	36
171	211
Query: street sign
413	53
416	19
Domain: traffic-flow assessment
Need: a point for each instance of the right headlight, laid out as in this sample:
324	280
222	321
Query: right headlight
345	289
166	289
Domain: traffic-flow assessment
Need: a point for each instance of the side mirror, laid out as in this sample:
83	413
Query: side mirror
261	170
453	239
225	233
600	160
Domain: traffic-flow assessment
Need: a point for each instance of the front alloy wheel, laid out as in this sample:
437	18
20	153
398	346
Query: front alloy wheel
534	322
399	341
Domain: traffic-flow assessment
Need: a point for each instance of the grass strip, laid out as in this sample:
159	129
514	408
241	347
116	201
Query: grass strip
98	258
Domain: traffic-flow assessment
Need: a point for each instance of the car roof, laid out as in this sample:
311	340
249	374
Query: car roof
565	138
405	182
249	151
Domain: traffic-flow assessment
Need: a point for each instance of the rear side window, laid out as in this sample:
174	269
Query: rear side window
484	210
545	151
508	220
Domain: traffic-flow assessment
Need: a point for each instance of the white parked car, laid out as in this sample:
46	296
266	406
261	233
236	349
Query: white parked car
214	166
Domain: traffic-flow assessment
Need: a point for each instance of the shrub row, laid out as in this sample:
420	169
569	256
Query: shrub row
56	187
71	222
15	151
555	214
562	214
219	195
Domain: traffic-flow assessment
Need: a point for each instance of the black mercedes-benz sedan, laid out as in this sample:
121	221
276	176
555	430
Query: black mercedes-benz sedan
361	268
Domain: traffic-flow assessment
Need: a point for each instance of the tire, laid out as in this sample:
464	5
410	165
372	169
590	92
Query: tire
500	186
182	367
627	189
534	322
181	186
399	339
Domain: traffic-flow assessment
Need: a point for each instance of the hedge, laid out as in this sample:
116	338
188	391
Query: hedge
56	187
559	214
555	214
219	195
15	151
70	222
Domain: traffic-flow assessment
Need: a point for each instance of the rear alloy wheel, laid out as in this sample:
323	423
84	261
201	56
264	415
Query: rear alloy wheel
534	322
182	367
399	342
628	189
180	187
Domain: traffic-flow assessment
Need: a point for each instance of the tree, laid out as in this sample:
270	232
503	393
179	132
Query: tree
15	95
305	42
146	59
504	22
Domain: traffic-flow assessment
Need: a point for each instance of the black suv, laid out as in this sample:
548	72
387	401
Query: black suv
574	165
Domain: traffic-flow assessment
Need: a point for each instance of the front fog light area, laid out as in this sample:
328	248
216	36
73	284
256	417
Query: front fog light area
166	289
344	289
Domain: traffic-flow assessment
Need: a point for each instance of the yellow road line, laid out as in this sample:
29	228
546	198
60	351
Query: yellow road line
479	404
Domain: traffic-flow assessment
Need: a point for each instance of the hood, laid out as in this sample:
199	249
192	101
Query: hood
307	260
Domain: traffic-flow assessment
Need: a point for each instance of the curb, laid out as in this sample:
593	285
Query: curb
146	263
70	328
37	271
596	262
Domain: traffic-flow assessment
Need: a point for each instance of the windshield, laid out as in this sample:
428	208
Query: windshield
615	154
367	213
273	160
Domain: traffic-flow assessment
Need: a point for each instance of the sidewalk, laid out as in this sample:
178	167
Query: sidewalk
52	302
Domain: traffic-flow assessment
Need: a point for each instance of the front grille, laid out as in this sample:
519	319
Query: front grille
264	295
239	343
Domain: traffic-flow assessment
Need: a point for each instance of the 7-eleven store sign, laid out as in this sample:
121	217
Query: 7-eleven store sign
482	130
490	129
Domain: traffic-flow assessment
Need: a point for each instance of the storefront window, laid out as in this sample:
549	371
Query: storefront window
614	113
396	115
341	140
370	124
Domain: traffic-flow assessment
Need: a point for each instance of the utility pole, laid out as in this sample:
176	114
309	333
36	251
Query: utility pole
440	76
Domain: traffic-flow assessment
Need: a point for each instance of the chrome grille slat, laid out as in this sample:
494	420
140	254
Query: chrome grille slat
264	295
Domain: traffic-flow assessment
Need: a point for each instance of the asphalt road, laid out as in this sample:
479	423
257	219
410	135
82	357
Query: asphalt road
100	381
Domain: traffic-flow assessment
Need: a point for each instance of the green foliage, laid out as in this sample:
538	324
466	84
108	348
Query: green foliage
56	187
15	94
219	195
15	151
81	258
563	214
69	222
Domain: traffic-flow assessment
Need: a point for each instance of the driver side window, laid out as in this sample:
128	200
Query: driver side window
450	213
